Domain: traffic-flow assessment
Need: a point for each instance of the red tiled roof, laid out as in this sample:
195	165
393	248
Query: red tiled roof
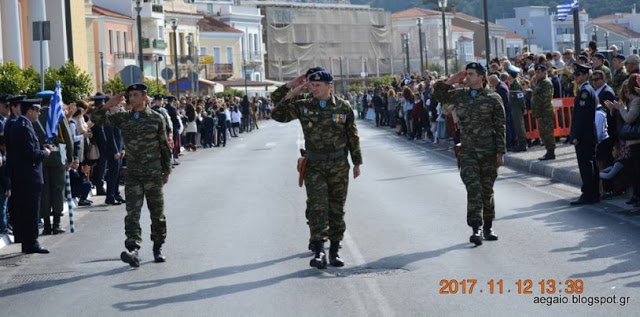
464	38
512	35
618	29
414	13
211	24
455	28
106	12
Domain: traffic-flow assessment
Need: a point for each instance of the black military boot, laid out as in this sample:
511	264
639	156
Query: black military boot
46	230
334	258
476	237
56	226
550	155
131	257
487	232
320	258
157	253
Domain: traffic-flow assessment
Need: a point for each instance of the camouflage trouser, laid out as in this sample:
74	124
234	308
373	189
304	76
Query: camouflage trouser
546	125
478	173
136	188
326	183
52	199
518	126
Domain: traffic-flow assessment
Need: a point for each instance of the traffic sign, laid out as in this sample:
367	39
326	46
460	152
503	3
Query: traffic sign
131	75
167	73
205	59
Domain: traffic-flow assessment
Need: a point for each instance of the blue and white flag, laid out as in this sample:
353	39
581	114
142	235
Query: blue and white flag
565	8
55	113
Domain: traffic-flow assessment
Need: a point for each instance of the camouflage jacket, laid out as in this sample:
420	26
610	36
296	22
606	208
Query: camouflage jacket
542	95
618	79
144	138
516	95
481	119
325	130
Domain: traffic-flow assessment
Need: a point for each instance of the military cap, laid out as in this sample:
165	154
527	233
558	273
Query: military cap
4	98
583	58
170	97
322	75
477	67
315	70
513	69
620	57
34	103
158	97
540	67
581	69
15	99
99	96
599	55
138	87
45	94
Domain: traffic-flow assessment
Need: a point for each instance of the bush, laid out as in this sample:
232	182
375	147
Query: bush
154	88
33	80
75	83
381	81
229	92
114	85
12	79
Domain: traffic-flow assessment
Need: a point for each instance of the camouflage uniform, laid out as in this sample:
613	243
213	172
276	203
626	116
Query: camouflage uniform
482	134
329	132
148	159
607	74
517	97
618	79
543	111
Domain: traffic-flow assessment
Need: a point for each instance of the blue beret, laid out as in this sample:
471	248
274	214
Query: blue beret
540	67
477	67
513	69
315	70
620	57
138	87
99	96
580	68
599	55
45	94
322	75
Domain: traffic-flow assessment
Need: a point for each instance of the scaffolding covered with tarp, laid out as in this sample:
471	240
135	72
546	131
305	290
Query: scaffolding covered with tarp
354	41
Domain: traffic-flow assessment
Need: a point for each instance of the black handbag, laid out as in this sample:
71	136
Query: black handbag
630	131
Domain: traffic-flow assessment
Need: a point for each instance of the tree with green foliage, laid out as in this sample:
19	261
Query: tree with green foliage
33	81
154	88
114	85
75	83
381	81
12	79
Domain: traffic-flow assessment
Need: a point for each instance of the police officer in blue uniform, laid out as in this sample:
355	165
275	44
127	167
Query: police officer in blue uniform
14	108
583	135
26	157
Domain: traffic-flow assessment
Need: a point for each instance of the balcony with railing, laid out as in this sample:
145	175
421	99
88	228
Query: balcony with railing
159	44
123	59
151	10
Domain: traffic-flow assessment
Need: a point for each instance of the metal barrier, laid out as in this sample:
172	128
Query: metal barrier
563	108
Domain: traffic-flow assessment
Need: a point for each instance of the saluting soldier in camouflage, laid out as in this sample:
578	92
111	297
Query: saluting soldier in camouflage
330	133
620	73
598	64
543	111
518	105
481	118
148	168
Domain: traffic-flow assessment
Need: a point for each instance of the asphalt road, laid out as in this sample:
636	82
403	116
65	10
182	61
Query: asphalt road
237	245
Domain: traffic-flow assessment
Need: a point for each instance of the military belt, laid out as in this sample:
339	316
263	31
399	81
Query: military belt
325	156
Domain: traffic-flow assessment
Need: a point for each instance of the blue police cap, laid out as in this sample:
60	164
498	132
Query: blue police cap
620	57
599	55
15	99
540	67
513	69
138	87
158	97
45	94
4	98
34	103
170	97
581	69
322	75
476	66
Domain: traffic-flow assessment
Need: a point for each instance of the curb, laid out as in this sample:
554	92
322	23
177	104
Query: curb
5	240
565	175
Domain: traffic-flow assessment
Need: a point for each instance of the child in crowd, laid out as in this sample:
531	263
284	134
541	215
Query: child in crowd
80	184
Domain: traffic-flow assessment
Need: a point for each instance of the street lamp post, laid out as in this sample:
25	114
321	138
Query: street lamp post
101	70
139	23
443	5
156	59
595	34
174	27
606	39
405	37
419	22
189	41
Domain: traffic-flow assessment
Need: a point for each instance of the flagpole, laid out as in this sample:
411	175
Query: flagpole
576	31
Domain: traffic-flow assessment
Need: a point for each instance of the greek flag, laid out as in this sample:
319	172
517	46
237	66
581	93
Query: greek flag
55	113
565	8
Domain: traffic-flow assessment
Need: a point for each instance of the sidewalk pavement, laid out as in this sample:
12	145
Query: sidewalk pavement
563	169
